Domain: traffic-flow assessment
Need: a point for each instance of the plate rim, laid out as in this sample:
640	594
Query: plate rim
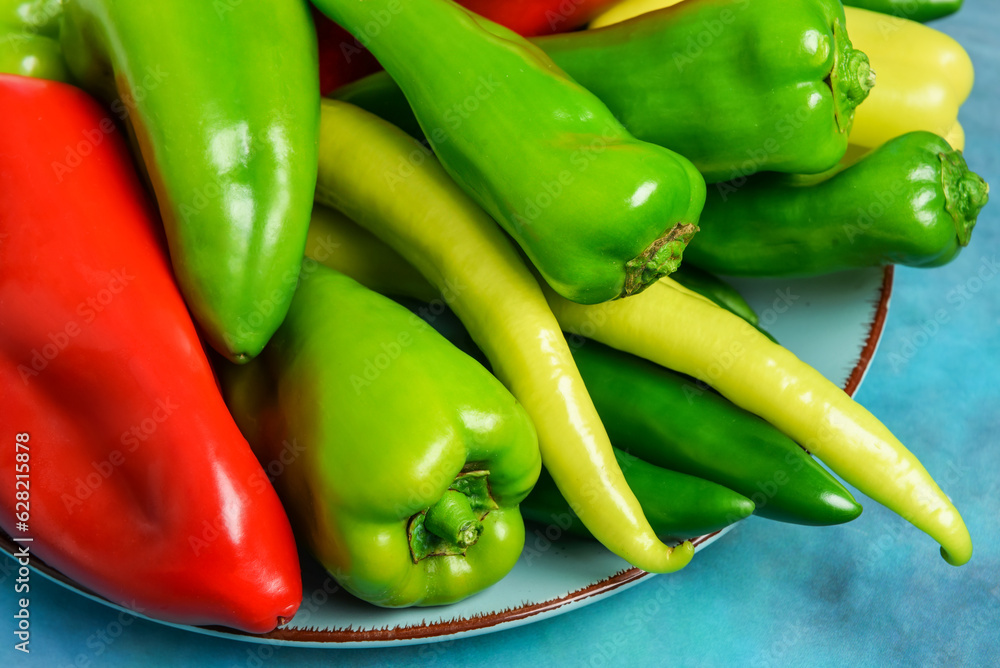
477	624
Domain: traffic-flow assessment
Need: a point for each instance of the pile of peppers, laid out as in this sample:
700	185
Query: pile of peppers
390	317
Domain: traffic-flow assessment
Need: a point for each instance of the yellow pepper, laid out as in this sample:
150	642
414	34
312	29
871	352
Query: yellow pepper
922	78
391	185
668	325
681	330
922	75
956	137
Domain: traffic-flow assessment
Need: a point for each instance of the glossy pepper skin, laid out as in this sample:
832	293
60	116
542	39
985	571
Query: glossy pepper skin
913	201
415	458
670	421
675	328
924	76
677	442
29	39
915	10
141	487
683	331
460	250
343	59
600	214
222	99
701	102
678	506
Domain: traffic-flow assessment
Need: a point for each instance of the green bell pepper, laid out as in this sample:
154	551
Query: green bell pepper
222	100
734	86
29	39
915	10
600	214
912	201
412	459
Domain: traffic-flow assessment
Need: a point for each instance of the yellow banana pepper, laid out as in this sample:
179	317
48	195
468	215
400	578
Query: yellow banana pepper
681	330
392	186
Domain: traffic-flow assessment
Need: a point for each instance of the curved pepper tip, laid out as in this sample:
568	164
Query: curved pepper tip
671	559
957	557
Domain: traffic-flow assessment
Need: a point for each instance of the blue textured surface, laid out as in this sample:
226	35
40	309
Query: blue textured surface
873	592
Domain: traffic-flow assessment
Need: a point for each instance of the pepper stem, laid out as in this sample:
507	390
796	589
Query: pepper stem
965	193
660	259
851	79
452	519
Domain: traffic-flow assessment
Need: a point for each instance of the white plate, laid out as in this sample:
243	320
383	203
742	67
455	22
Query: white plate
833	323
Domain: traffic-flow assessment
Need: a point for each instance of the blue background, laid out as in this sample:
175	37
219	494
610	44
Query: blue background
872	592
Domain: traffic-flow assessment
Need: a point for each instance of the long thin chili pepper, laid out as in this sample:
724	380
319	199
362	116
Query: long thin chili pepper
666	325
384	180
681	330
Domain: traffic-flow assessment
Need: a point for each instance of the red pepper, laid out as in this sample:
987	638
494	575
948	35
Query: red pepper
342	59
137	483
539	17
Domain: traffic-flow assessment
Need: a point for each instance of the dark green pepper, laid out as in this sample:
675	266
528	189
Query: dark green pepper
734	86
222	100
671	421
678	506
915	10
405	460
600	214
912	201
29	39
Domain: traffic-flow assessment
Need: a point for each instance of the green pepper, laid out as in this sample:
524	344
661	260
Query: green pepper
222	100
912	201
29	39
675	439
915	10
678	506
600	214
734	86
406	459
674	422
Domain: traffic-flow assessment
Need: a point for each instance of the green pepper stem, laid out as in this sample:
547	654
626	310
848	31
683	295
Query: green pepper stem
965	193
452	519
660	259
851	80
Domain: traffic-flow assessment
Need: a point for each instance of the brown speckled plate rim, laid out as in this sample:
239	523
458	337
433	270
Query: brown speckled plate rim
428	632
